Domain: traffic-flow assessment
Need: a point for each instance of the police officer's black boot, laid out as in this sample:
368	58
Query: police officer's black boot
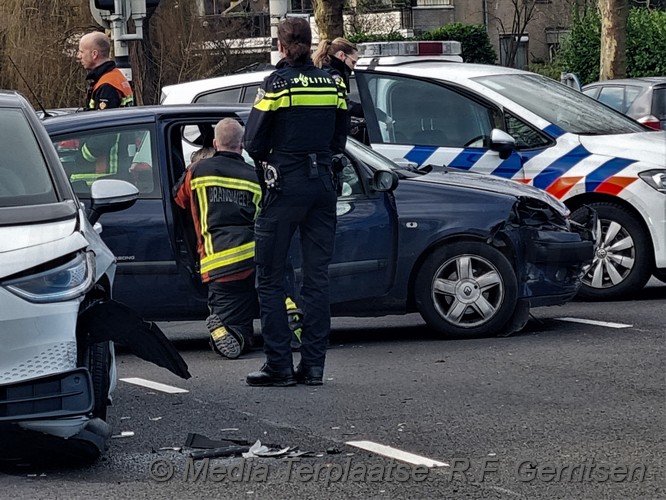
309	375
268	377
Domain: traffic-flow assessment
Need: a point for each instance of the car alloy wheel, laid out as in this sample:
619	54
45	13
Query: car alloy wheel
467	290
622	261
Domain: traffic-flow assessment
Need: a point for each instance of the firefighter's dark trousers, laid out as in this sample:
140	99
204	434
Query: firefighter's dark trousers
235	302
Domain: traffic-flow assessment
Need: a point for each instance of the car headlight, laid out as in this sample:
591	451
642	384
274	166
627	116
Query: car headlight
58	284
656	179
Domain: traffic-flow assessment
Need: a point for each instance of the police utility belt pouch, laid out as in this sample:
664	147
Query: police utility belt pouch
313	171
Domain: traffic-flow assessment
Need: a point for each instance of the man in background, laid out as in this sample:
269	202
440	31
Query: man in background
107	86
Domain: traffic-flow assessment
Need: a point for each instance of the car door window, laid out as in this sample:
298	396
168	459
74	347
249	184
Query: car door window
613	97
526	136
631	92
250	94
427	114
127	154
226	96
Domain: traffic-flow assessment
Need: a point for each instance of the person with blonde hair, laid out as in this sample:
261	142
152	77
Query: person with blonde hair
338	58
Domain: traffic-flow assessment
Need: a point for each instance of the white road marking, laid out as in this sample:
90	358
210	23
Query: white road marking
390	452
154	385
595	323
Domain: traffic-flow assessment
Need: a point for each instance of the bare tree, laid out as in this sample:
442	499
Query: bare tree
613	59
328	17
522	12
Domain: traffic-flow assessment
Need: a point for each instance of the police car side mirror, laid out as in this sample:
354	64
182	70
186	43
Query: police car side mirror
502	142
384	180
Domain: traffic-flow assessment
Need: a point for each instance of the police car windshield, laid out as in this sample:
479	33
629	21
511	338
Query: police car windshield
569	109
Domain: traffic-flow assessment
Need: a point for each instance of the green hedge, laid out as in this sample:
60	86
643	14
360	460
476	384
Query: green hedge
646	45
476	46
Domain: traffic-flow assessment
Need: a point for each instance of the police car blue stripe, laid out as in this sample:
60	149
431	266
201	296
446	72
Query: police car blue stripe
554	131
419	154
466	159
560	166
608	169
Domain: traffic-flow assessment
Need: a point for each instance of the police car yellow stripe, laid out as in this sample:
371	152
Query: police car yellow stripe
227	257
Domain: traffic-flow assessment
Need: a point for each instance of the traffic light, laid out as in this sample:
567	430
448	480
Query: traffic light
109	5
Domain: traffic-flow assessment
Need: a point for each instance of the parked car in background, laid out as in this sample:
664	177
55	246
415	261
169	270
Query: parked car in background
444	113
471	253
643	99
57	370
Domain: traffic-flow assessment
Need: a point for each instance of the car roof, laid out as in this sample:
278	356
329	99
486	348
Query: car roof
421	67
645	81
194	88
13	99
109	117
446	70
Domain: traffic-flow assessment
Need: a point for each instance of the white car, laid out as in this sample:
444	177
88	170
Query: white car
57	369
576	149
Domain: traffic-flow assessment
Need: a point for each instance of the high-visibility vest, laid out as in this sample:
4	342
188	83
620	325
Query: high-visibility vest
117	80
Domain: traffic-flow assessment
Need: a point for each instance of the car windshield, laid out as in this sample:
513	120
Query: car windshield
563	106
24	174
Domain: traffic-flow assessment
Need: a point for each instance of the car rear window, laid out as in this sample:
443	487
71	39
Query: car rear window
24	174
659	103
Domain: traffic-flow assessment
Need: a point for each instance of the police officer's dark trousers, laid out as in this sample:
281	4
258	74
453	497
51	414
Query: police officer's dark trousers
307	203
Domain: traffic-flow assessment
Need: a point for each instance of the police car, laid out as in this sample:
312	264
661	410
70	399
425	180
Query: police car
443	112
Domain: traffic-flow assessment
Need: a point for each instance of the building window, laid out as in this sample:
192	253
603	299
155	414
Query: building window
514	50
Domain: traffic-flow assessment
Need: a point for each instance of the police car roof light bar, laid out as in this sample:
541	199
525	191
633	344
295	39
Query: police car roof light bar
421	48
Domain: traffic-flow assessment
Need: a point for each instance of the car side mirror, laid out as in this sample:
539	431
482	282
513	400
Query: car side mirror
110	195
384	181
502	142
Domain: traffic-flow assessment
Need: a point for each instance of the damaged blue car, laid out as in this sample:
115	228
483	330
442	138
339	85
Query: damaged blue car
471	253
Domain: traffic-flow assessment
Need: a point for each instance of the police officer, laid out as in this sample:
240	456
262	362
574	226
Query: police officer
107	86
223	195
338	58
298	122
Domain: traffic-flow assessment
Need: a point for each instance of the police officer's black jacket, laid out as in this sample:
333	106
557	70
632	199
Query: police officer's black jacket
223	195
338	69
298	110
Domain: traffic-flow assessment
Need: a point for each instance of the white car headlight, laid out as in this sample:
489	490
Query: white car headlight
655	178
59	284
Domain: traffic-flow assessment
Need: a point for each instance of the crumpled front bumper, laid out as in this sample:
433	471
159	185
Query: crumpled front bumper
553	258
64	394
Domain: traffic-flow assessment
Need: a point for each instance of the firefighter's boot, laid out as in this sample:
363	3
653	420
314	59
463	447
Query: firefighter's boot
223	340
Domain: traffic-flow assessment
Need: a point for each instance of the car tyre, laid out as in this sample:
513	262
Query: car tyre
97	358
621	240
467	290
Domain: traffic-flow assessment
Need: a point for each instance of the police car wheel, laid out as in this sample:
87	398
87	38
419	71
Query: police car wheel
622	263
467	290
